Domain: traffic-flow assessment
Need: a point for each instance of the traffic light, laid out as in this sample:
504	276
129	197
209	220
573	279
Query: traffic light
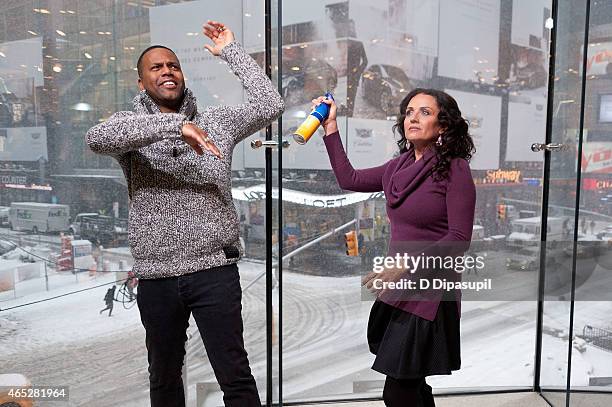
501	211
352	246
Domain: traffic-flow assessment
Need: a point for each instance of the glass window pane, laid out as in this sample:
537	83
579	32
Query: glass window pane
64	67
492	57
562	201
592	332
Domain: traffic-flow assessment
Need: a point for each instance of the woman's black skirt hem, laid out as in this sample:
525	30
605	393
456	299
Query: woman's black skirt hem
408	346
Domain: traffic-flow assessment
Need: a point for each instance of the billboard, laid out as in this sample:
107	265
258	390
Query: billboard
528	23
526	125
208	76
483	113
472	52
179	27
23	144
597	157
370	142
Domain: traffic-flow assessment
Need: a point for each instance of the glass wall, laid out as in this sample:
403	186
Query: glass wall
492	57
555	330
575	350
591	351
66	65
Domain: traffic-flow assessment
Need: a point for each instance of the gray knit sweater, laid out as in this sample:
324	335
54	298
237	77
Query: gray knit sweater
182	217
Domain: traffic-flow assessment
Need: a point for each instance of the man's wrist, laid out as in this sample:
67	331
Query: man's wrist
227	47
184	123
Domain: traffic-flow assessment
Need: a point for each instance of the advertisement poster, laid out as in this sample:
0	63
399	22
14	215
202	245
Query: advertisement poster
21	60
483	113
599	59
21	77
206	75
345	48
472	52
209	77
23	144
398	56
370	142
410	25
526	125
597	157
528	23
528	48
605	108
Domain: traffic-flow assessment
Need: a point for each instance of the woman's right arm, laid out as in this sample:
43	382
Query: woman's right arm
364	180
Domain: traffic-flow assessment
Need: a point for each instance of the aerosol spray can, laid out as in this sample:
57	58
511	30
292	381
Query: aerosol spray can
312	122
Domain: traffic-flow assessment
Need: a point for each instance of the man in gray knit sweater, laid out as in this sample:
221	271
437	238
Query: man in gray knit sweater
183	226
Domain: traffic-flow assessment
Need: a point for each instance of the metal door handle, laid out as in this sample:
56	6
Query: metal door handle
537	147
268	143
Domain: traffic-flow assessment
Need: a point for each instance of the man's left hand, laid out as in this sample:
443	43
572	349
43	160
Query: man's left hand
219	34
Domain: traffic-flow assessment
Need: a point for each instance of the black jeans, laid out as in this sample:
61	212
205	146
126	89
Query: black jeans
214	297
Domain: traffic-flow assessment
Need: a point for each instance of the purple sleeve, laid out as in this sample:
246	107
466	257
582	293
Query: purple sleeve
460	207
460	202
365	180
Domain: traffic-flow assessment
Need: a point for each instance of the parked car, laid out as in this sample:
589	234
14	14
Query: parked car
100	229
606	234
306	80
4	215
526	259
385	86
75	226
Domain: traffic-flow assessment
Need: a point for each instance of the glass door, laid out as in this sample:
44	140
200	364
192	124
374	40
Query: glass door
591	350
574	329
559	214
67	66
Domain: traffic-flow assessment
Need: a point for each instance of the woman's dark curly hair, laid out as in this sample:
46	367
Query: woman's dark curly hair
456	141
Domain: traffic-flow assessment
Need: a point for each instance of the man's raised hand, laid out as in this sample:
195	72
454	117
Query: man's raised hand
219	34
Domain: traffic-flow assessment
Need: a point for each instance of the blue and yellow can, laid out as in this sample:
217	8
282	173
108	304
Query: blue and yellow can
312	122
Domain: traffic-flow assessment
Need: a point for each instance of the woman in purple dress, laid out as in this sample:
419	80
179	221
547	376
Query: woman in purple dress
430	199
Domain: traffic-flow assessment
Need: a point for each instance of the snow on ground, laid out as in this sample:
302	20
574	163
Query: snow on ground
75	317
65	320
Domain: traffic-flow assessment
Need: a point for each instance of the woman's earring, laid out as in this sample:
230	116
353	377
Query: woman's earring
439	141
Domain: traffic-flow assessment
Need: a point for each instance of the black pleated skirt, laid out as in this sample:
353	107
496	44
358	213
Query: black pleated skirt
408	346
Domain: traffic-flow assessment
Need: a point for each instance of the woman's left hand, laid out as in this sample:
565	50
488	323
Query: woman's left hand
219	34
329	124
386	276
